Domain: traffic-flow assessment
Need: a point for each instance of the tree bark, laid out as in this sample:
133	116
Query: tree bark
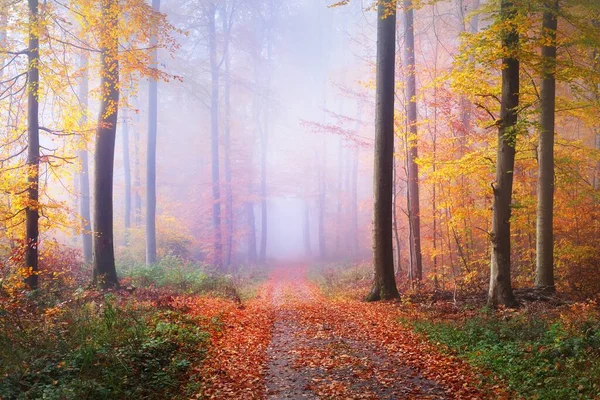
105	273
322	192
127	173
84	176
264	145
33	150
500	291
227	143
214	113
413	154
151	257
384	283
251	220
545	208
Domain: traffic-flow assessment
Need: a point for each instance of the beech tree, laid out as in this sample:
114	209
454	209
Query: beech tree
384	283
105	273
151	151
412	144
500	290
545	207
33	148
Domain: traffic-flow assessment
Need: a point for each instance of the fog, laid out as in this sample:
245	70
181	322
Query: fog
301	66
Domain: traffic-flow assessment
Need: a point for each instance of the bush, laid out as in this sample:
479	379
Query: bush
536	356
98	351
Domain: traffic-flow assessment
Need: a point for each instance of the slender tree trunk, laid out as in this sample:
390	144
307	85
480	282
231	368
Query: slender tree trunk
214	112
151	153
137	179
545	207
395	222
500	292
321	167
384	283
84	176
413	168
127	173
252	256
105	273
227	147
264	145
354	242
33	149
307	244
338	211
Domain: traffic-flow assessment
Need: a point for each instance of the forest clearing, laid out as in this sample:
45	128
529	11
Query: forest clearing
300	199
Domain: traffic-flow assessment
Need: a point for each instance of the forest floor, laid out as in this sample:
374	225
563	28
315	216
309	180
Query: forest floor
291	342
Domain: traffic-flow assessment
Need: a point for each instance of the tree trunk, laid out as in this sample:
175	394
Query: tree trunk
105	273
354	242
413	168
307	244
151	153
264	145
384	283
545	207
252	256
214	139
137	179
227	145
321	167
84	176
500	292
127	173
33	149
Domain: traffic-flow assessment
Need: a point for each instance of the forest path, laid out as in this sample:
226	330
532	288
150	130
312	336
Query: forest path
327	349
291	342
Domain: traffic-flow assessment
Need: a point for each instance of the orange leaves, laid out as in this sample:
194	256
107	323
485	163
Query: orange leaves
239	337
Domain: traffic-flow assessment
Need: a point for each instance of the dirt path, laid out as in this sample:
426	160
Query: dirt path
311	356
290	342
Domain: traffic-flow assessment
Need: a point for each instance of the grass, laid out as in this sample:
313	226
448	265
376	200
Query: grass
100	350
537	356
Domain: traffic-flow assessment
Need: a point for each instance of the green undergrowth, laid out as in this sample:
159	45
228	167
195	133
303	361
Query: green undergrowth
342	280
99	349
189	277
537	355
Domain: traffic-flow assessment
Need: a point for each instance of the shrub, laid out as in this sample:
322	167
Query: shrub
98	351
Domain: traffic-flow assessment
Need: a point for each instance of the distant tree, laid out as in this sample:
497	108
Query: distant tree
84	175
384	283
151	151
413	152
500	290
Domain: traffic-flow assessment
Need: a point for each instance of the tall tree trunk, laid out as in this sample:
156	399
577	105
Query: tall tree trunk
127	173
395	222
84	176
322	186
545	207
306	230
227	144
354	242
105	273
251	220
33	149
137	179
500	291
214	138
151	152
413	154
338	211
264	145
384	283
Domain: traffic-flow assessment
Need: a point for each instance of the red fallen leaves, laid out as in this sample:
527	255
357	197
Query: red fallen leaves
339	348
235	364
